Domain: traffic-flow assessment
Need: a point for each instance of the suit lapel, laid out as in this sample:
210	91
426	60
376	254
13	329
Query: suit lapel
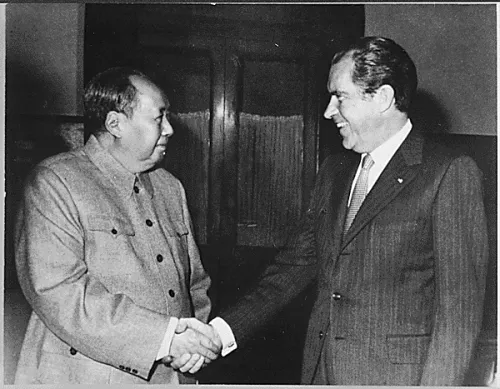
335	198
398	173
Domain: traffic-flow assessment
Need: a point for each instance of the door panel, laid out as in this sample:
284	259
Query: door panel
272	82
186	71
270	153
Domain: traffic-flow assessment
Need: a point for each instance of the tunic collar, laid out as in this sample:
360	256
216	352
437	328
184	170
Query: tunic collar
123	180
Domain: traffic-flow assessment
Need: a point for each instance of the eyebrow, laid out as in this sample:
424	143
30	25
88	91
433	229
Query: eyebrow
338	93
161	112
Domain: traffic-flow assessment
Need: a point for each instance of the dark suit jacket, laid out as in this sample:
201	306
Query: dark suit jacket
399	298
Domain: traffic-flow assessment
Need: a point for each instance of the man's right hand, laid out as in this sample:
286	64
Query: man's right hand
194	344
205	329
192	361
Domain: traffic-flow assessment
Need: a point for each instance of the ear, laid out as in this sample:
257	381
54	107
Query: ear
113	123
385	97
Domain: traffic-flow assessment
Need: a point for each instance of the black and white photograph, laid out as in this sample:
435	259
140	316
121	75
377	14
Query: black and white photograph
250	193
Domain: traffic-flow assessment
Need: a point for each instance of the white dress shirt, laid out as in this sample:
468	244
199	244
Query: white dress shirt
381	157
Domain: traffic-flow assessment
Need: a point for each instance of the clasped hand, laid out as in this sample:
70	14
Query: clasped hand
194	345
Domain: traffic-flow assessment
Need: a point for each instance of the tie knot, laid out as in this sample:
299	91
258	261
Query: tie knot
367	162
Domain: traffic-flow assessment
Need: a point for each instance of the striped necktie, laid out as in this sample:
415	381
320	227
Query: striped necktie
359	193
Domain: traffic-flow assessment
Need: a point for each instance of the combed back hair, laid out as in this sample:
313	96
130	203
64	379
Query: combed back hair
381	61
110	90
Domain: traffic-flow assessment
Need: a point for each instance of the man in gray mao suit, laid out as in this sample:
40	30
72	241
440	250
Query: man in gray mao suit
105	251
395	238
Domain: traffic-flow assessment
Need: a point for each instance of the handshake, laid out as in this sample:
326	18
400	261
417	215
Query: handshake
194	345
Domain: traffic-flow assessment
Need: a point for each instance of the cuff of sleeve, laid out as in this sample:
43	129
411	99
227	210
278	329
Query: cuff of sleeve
167	339
226	335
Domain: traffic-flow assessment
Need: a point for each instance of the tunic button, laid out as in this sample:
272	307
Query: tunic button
114	232
128	368
321	334
336	296
121	367
171	293
136	189
159	258
72	351
149	223
134	371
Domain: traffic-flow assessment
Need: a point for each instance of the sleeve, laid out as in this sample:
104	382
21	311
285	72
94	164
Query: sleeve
282	280
292	271
461	255
199	278
167	340
72	303
225	334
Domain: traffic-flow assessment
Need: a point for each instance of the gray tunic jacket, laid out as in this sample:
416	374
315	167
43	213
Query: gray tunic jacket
105	258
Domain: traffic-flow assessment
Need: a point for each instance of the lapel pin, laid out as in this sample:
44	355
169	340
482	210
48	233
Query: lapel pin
400	180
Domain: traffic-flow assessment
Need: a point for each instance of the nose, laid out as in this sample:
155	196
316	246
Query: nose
332	108
167	129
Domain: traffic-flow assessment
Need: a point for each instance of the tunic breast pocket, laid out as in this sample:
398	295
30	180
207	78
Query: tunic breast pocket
177	237
113	225
109	235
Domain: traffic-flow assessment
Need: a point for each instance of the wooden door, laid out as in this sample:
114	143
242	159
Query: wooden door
271	126
270	135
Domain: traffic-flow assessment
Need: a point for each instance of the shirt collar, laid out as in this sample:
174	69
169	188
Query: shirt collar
123	180
144	180
383	153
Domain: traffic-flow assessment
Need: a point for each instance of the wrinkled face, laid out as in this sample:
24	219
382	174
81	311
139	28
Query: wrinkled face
353	112
145	133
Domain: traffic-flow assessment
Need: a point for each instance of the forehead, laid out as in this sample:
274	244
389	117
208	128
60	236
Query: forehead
149	96
340	77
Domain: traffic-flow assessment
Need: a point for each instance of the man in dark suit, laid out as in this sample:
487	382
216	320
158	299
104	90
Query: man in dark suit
395	238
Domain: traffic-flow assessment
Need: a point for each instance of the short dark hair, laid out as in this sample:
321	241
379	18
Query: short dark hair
110	90
381	61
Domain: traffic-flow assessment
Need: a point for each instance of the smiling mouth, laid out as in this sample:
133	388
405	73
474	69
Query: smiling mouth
337	119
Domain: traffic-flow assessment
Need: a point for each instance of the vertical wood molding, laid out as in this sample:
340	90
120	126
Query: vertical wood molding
230	140
215	214
311	125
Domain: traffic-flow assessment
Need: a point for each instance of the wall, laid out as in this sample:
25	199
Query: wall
45	58
454	49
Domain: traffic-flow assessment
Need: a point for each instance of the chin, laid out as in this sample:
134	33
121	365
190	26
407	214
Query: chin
347	145
157	161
